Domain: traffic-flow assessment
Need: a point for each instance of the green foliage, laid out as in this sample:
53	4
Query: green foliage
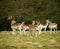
26	10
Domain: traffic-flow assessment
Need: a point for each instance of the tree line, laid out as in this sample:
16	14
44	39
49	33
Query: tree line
28	10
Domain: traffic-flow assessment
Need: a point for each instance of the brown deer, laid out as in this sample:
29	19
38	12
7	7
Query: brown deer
15	25
42	26
31	27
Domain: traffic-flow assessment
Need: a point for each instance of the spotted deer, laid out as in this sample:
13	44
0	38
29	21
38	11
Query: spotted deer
31	27
42	26
15	25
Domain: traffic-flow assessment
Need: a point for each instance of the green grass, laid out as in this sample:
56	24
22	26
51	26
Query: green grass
17	41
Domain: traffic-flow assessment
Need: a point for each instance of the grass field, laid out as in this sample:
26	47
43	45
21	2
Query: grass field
17	41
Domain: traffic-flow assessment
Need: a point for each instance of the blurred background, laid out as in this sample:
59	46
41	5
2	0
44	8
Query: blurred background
28	10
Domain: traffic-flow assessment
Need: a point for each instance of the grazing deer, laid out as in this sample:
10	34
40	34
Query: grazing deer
52	26
42	26
15	25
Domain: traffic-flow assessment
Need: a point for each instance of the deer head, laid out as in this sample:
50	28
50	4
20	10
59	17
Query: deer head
9	17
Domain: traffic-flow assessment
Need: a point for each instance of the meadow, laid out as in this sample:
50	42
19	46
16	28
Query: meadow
17	41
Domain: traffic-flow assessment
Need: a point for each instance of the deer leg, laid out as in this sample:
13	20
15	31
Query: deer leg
50	30
24	31
29	33
20	30
45	30
40	31
56	30
13	31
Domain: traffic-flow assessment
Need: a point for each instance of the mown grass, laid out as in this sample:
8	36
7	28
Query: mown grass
17	41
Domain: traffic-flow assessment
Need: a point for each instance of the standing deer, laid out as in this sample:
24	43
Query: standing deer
52	26
28	26
31	27
15	25
42	26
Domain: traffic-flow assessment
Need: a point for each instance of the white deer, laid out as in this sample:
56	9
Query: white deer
42	26
52	26
15	25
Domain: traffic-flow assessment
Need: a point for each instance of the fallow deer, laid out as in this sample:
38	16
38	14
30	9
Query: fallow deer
52	26
31	27
15	25
42	26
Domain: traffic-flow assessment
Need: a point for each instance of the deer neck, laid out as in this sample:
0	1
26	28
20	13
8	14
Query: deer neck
46	24
13	22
